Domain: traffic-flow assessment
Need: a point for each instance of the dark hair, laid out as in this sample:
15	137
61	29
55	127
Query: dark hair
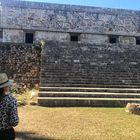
2	93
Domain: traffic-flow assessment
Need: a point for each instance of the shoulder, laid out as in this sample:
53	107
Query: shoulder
10	100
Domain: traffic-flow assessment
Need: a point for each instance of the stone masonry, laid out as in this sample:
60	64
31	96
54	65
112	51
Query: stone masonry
21	62
56	22
82	64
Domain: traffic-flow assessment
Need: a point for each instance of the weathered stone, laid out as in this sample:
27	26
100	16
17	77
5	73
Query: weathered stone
133	108
127	40
97	65
57	22
98	39
21	62
32	103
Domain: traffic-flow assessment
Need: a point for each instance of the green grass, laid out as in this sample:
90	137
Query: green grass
42	123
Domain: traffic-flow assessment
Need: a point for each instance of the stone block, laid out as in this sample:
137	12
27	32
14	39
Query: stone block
49	36
90	38
127	40
133	108
13	35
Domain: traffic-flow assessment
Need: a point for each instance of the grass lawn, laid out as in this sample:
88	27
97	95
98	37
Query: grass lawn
42	123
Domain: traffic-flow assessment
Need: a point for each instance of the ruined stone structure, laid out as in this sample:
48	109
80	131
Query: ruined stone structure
86	47
21	62
57	22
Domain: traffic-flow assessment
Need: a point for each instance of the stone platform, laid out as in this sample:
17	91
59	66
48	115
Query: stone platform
75	74
75	96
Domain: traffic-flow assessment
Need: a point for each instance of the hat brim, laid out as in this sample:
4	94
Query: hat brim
9	83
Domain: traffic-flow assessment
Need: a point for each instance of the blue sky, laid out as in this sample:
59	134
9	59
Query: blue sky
121	4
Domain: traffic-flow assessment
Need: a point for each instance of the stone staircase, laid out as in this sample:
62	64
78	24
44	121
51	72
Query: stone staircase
89	75
76	96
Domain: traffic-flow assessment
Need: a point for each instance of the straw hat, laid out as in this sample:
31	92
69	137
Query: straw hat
4	81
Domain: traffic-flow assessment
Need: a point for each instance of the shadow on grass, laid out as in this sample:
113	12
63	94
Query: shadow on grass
30	136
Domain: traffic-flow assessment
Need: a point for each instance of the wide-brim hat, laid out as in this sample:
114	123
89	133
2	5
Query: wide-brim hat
4	81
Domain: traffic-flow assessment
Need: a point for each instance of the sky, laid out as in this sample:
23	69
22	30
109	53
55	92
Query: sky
119	4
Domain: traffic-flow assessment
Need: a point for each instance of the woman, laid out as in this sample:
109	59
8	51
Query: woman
8	110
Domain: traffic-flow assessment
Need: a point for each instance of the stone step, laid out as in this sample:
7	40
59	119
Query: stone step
85	102
106	69
88	94
88	76
90	85
78	74
86	84
88	67
92	64
91	71
48	70
91	78
88	80
91	89
71	80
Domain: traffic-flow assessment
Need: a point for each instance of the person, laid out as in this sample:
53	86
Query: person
8	110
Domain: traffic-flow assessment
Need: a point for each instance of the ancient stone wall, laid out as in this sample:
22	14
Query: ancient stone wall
13	35
57	36
21	62
42	17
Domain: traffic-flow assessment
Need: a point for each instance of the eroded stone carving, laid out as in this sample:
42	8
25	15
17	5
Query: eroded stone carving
70	19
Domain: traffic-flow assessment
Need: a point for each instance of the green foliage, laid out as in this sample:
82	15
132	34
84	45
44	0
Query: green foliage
25	97
21	102
42	43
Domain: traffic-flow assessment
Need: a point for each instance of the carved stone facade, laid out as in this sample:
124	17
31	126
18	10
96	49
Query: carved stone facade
54	21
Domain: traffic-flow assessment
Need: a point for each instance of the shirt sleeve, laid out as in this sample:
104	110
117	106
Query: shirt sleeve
13	114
